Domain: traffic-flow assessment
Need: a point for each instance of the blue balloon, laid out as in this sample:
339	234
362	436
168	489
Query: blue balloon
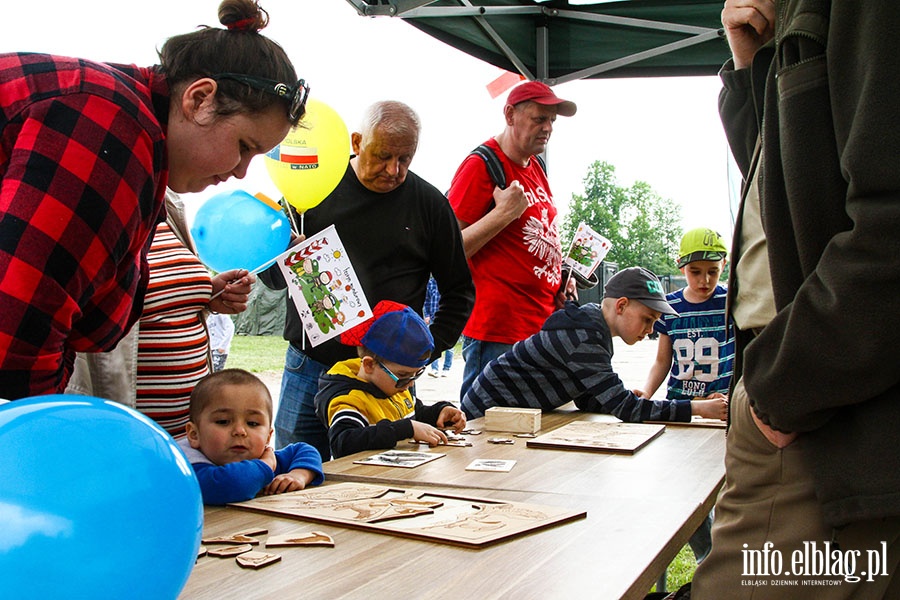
234	230
96	501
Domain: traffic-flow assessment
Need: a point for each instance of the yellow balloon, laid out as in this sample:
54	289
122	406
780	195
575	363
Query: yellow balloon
309	163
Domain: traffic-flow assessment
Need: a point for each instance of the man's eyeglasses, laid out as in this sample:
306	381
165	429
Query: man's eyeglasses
296	95
401	382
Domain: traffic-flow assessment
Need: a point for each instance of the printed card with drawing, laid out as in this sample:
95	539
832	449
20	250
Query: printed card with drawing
399	458
588	250
491	464
323	285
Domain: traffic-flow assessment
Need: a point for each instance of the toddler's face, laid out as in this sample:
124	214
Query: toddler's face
235	426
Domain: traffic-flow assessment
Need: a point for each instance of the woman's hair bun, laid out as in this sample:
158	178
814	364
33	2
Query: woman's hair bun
242	15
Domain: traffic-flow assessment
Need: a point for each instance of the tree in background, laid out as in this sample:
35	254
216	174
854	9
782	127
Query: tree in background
644	228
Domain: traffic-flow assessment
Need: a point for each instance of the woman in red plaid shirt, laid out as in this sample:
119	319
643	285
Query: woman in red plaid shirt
86	152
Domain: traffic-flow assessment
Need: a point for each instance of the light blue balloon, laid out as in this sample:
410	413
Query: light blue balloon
234	230
96	501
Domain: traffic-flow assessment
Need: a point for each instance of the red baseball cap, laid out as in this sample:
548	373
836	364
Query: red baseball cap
541	93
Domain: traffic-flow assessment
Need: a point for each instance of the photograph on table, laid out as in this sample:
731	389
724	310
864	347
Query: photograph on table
399	458
491	464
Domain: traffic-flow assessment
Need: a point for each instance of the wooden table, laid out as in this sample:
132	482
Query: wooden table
641	510
684	462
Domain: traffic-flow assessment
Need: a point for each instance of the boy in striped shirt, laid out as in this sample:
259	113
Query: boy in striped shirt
570	359
696	346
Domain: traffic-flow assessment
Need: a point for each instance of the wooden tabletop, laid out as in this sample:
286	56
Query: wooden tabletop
641	509
684	462
617	551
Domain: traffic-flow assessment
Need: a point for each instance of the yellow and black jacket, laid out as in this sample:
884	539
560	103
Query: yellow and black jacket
360	417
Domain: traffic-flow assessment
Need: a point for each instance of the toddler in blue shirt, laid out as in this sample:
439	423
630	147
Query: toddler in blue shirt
228	440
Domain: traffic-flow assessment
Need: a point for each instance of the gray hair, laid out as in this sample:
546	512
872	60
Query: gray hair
392	118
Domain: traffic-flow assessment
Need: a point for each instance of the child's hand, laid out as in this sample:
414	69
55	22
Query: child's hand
268	457
422	432
288	482
640	393
713	408
452	418
296	238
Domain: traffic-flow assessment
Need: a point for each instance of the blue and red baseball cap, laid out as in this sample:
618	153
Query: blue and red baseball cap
394	332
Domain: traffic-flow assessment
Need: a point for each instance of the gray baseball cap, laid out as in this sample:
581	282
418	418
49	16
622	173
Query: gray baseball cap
637	283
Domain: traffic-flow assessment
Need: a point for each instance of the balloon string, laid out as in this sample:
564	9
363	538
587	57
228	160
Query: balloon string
303	233
290	213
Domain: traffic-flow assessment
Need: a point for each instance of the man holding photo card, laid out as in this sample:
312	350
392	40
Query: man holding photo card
509	228
396	229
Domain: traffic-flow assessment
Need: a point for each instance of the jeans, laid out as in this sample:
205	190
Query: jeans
296	420
218	360
477	355
448	361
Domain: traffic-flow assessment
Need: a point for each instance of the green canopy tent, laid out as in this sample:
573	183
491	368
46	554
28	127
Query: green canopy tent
559	41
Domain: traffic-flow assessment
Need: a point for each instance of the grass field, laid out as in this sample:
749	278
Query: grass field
266	353
256	353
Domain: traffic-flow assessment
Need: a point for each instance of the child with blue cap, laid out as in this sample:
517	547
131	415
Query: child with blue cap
366	402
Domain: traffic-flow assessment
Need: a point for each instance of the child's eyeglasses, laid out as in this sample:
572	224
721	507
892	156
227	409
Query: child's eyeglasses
401	382
296	95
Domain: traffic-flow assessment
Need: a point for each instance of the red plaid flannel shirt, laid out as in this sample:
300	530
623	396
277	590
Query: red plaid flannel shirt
82	181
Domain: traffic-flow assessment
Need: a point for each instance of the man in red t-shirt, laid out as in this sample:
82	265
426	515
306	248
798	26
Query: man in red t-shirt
510	235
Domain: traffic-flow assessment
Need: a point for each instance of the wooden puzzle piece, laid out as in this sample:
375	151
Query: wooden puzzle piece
234	538
376	510
309	538
201	551
226	551
455	442
399	508
500	440
252	532
256	559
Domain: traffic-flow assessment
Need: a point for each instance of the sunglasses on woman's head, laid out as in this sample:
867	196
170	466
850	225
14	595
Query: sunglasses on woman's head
297	95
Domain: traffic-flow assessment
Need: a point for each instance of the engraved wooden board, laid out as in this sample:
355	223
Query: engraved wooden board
594	436
451	519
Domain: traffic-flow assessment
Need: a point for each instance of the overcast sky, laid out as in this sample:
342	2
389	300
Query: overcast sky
664	131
